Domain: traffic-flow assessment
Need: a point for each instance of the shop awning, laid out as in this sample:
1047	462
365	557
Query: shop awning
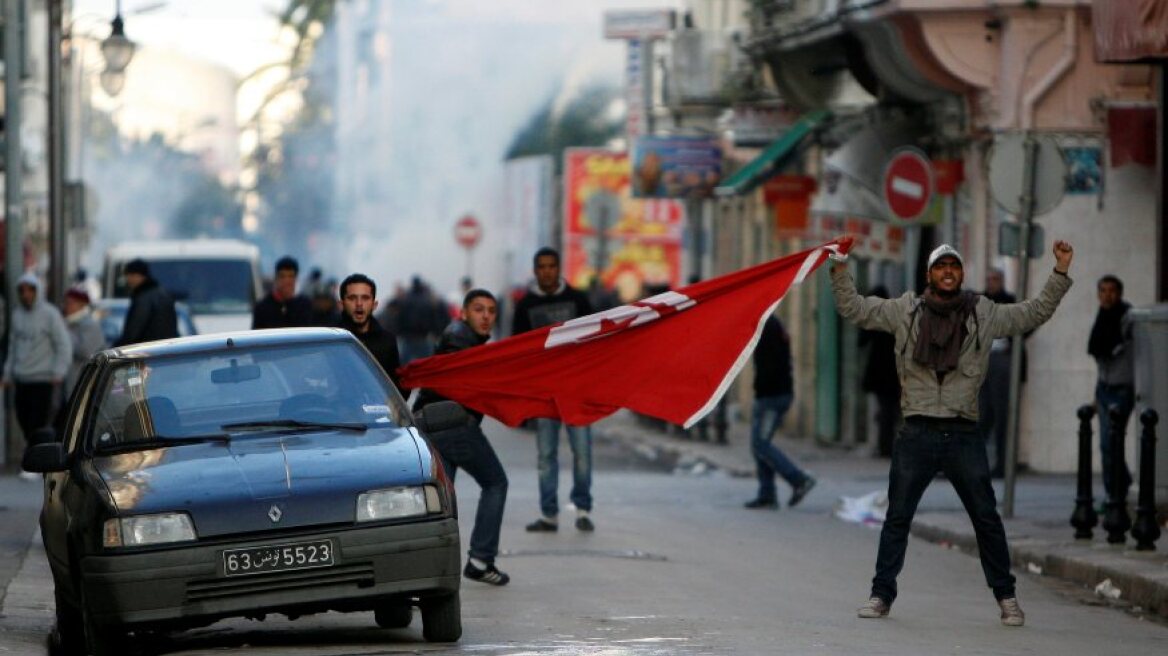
762	167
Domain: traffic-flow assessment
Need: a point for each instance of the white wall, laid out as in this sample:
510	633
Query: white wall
1120	239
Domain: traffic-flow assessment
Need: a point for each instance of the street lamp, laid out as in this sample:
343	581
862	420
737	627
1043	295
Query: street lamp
116	48
112	82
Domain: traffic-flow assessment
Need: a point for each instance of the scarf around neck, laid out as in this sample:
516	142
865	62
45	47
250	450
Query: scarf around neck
1107	333
942	329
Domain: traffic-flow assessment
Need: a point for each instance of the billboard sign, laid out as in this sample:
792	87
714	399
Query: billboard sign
676	167
626	242
639	24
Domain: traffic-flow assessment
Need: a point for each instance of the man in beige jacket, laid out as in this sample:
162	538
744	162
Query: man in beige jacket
943	340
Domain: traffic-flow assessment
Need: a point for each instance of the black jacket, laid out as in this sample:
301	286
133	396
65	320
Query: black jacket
151	315
289	313
381	343
772	361
457	336
537	309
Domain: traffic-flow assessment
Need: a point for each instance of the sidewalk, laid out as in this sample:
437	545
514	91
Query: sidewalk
1041	537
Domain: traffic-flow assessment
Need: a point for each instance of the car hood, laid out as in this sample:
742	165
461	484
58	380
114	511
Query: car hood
227	488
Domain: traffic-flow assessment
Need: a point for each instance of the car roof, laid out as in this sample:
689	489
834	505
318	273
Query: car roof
239	339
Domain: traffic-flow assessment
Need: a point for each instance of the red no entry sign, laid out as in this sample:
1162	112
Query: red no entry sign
908	184
468	232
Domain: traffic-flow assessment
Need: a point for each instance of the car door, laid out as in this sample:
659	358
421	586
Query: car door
61	488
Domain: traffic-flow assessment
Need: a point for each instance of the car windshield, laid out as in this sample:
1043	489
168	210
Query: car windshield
208	286
242	391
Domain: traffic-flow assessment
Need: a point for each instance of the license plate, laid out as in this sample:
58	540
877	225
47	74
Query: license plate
278	558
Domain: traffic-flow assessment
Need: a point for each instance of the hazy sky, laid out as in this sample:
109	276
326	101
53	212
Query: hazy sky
488	64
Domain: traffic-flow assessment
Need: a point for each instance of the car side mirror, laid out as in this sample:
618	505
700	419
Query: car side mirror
45	458
440	416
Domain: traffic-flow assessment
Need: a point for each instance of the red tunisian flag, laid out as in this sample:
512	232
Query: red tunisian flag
670	356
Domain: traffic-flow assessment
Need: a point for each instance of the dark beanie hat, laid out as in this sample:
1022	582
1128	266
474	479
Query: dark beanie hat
137	265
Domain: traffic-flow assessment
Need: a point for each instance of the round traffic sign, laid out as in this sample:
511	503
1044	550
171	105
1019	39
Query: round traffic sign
1008	172
908	184
468	232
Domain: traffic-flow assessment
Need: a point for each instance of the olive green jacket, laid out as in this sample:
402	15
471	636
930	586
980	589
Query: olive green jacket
956	395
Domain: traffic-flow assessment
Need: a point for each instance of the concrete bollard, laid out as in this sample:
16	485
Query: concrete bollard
1146	531
1084	518
1116	520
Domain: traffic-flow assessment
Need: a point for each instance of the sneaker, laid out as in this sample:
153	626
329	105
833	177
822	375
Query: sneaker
769	504
1012	614
801	491
542	525
875	608
584	524
29	476
491	575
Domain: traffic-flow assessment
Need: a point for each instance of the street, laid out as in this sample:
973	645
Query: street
677	566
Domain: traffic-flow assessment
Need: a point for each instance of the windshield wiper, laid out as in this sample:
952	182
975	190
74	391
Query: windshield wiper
295	423
161	441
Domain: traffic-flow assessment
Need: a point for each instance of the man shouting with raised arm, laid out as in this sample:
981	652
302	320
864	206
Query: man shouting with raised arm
943	340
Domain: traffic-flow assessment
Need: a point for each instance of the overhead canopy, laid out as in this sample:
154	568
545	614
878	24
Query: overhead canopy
772	158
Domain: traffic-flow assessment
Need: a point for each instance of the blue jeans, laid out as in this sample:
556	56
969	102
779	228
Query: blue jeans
1106	396
548	439
766	416
925	447
469	449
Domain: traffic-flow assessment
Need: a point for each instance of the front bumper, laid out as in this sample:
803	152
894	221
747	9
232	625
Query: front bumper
187	584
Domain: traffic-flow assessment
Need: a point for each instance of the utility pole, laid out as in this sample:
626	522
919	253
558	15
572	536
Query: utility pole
13	201
56	159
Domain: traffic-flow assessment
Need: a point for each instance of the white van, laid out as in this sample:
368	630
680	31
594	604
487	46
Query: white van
219	279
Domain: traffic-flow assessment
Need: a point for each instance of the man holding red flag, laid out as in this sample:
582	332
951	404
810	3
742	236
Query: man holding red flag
943	341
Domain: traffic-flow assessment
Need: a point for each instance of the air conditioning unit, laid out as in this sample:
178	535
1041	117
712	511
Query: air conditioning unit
699	68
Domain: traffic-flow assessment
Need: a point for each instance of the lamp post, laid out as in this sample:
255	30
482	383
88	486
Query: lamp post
117	50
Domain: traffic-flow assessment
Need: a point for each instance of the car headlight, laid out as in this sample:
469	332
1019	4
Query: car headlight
397	502
143	530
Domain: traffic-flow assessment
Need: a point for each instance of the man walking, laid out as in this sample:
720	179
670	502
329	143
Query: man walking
283	307
39	351
994	398
943	343
551	300
358	301
151	315
84	334
774	391
1111	346
468	448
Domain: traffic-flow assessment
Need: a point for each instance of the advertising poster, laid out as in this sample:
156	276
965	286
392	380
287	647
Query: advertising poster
626	243
676	167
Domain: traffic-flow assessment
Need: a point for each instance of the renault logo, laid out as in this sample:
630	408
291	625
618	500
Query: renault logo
274	513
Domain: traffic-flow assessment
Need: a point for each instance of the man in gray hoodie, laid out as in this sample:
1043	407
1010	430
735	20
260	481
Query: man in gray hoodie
39	350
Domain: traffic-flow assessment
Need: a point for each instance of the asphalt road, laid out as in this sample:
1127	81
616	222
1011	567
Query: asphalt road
677	566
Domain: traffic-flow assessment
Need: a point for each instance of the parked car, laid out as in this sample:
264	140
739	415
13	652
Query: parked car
242	474
111	316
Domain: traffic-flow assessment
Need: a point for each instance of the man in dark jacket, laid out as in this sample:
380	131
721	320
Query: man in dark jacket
550	300
283	307
468	448
774	391
358	301
994	399
1112	347
151	315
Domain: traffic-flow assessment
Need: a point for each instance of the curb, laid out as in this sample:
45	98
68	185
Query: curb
1061	561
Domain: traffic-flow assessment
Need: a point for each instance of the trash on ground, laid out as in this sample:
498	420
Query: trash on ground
1034	568
868	510
1107	590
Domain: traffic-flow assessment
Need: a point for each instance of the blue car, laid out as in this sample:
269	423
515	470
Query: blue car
243	474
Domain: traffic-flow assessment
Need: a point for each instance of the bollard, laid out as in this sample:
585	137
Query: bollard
1116	520
1146	531
1084	518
